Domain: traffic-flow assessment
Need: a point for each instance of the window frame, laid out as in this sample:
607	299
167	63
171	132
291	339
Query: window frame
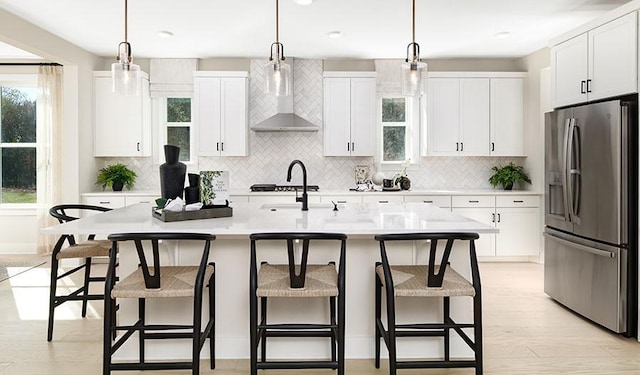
162	125
20	80
412	125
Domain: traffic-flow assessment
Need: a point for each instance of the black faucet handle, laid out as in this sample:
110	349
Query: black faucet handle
335	206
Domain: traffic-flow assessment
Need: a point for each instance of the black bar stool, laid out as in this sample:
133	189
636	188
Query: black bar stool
435	279
159	281
297	281
74	250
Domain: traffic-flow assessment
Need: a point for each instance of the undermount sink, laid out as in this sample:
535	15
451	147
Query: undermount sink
296	206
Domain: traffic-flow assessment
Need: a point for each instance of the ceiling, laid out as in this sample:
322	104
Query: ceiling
370	28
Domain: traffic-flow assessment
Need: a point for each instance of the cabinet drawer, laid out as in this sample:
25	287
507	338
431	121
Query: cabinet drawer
108	201
443	201
518	201
383	198
473	201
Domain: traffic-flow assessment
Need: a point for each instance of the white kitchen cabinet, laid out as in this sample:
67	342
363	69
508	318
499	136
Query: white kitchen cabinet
507	117
121	124
349	114
442	201
598	64
221	113
458	117
516	216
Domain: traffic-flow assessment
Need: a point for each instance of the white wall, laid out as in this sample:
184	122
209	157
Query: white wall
79	166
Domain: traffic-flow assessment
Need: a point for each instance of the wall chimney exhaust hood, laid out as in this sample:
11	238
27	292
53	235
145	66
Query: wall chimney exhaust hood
285	120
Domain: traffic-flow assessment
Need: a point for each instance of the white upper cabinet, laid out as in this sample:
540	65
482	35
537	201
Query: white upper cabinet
221	113
458	117
349	114
122	124
507	117
598	64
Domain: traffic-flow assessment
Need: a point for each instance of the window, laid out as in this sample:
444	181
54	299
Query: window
18	144
175	119
398	119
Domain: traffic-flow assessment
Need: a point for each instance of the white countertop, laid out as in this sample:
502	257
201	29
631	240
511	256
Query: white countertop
360	219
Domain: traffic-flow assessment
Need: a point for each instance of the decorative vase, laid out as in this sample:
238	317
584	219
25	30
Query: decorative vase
172	173
192	192
508	186
405	183
117	186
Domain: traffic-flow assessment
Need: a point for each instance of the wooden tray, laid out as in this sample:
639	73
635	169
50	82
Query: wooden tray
204	213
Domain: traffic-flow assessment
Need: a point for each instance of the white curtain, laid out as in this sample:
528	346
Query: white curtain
49	149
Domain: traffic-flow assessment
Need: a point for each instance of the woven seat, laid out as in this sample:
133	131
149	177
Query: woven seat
274	281
411	281
175	281
67	248
297	280
436	279
159	281
87	249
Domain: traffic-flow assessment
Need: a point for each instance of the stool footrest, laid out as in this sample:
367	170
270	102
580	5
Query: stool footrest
297	365
306	326
152	366
299	334
435	364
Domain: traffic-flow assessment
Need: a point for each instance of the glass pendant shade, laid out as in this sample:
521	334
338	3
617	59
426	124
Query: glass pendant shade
277	78
414	78
125	78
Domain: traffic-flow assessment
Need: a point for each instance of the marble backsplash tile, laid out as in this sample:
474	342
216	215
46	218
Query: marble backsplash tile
271	152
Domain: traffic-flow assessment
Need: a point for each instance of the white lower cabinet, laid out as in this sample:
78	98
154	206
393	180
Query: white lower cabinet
516	216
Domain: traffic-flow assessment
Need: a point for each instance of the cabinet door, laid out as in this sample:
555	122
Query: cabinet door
519	231
206	113
569	71
507	117
233	117
613	68
363	116
443	117
485	245
121	123
337	116
474	117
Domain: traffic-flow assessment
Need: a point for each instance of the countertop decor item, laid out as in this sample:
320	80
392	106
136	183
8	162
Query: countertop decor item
401	180
172	173
214	188
362	174
117	176
508	175
192	192
377	178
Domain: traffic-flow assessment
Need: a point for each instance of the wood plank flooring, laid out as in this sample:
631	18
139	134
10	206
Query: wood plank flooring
525	333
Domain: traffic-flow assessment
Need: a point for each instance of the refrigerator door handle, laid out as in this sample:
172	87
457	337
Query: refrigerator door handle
565	163
575	176
598	252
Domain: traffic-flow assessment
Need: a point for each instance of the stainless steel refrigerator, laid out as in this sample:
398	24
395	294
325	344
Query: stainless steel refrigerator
591	190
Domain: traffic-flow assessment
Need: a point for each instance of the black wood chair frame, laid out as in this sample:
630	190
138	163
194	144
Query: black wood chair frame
159	331
335	329
443	329
60	212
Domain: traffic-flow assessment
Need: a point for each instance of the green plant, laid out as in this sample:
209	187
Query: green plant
114	174
508	175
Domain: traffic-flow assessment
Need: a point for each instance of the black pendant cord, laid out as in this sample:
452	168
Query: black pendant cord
125	21
277	23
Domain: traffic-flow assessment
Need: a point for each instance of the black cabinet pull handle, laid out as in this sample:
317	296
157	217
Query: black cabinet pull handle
342	201
427	201
498	218
582	90
383	201
493	146
493	218
217	146
457	147
588	85
461	146
474	201
138	146
348	146
105	202
353	146
518	201
222	146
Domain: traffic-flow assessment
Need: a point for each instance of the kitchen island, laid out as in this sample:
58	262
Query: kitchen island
230	251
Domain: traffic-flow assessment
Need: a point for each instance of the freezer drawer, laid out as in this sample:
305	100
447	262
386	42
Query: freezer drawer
587	279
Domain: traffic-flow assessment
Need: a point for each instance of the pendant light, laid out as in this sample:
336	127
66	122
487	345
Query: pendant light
125	75
414	71
277	73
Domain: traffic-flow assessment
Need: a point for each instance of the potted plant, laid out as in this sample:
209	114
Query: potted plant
508	175
116	175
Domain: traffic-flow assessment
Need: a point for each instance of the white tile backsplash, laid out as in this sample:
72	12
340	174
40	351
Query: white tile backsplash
271	152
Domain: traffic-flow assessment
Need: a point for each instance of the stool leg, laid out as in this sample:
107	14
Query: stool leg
341	330
197	332
141	320
477	332
391	331
52	295
263	321
378	317
332	314
109	322
446	313
253	331
212	317
85	288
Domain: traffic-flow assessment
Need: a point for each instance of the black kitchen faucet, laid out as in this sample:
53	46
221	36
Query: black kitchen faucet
303	199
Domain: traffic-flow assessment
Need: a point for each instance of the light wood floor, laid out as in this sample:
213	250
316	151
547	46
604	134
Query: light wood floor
525	333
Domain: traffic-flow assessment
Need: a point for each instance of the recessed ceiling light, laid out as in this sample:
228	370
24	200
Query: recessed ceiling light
503	35
303	2
334	34
165	34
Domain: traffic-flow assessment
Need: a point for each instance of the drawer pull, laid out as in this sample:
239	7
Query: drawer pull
342	202
105	202
518	201
474	201
383	201
427	201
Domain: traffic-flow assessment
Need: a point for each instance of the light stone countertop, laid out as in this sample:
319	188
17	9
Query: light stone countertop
361	219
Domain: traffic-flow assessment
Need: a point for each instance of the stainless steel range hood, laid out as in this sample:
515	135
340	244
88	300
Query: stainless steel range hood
285	120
